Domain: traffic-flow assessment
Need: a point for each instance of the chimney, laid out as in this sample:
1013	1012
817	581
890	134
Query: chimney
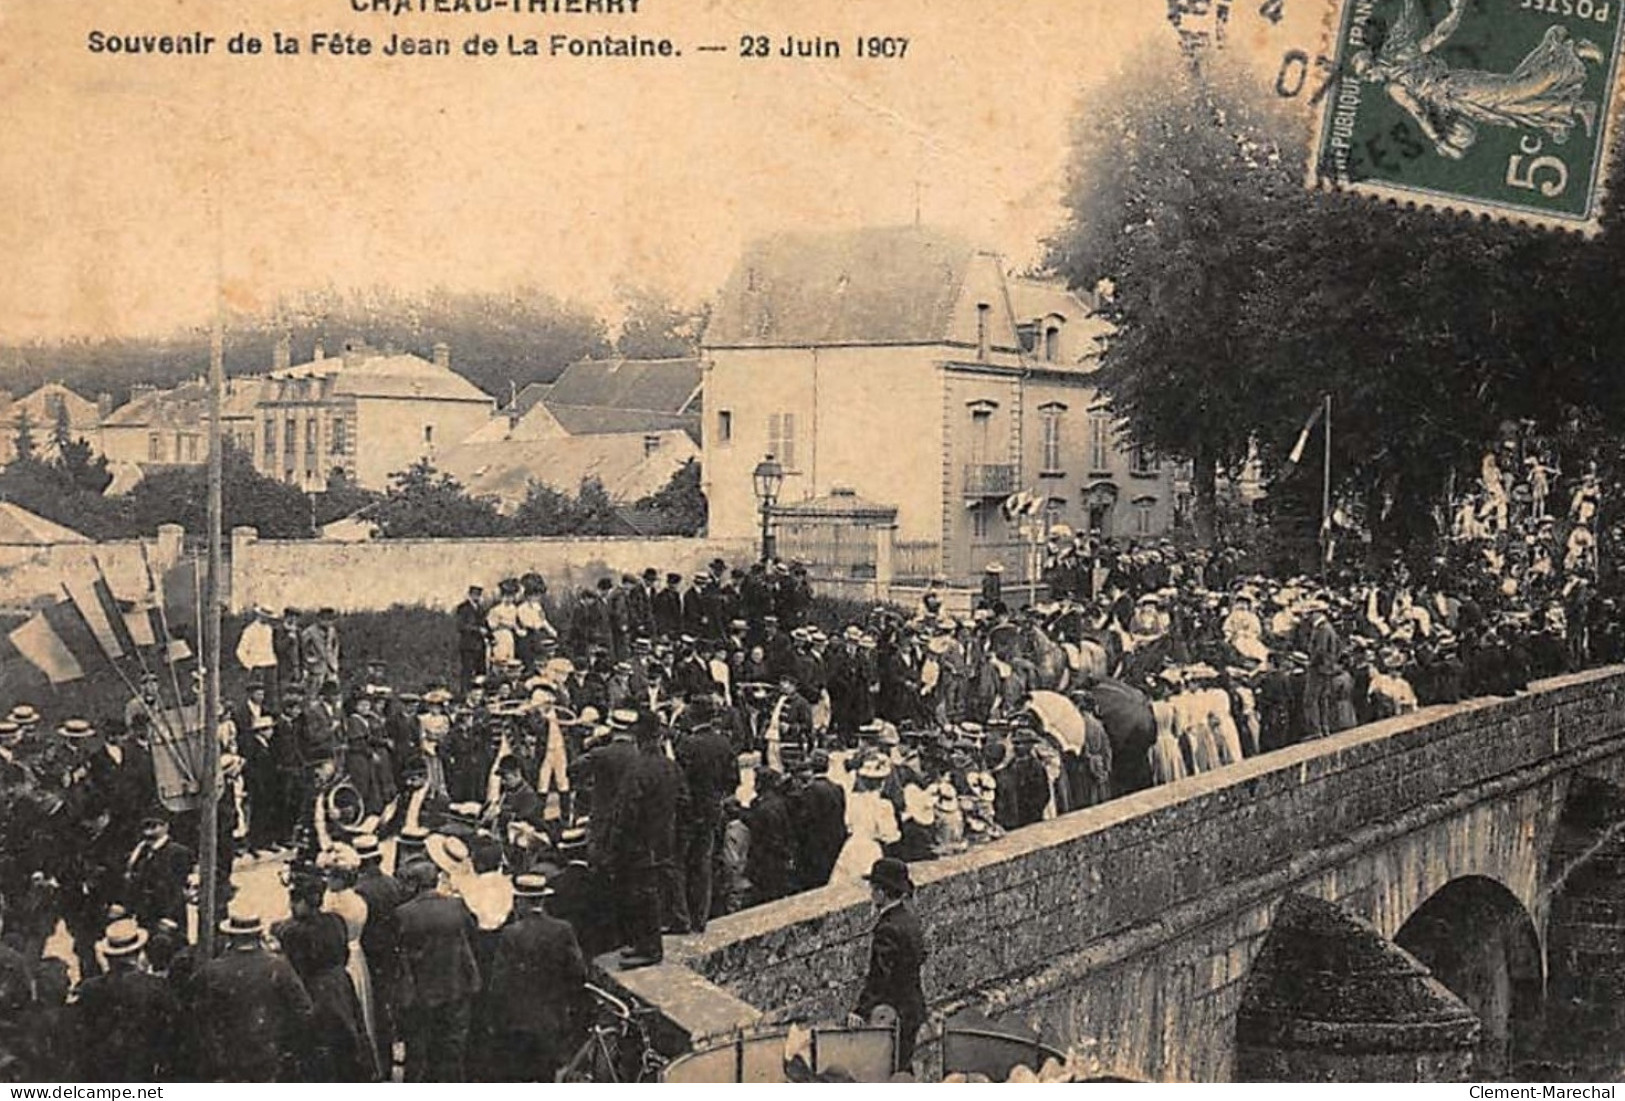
442	355
282	355
319	353
104	405
982	312
354	352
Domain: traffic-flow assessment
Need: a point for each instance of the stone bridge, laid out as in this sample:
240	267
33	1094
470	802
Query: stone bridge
1243	923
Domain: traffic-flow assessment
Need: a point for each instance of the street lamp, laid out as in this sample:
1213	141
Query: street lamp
767	479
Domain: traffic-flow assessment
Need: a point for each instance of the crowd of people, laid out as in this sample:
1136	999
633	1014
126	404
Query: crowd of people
629	762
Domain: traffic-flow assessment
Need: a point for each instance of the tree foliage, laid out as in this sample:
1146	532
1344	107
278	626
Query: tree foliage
23	444
423	503
655	328
497	341
342	497
547	511
180	495
1241	299
680	504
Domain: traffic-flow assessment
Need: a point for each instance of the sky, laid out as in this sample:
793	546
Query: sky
134	186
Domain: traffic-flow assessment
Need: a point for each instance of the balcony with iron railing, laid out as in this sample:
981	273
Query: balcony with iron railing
990	479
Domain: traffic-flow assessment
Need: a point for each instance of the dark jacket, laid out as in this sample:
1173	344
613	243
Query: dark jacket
604	769
818	817
772	845
380	936
252	1012
711	768
157	883
538	979
896	955
646	812
335	1044
668	612
125	1019
437	955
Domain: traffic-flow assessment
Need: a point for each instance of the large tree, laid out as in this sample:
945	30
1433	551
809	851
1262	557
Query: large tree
1242	299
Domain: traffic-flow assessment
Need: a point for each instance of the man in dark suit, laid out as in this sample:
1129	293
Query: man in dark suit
439	977
696	606
818	819
126	1015
538	979
711	770
252	1009
640	605
643	841
288	645
517	804
602	769
471	637
380	939
155	882
896	955
668	607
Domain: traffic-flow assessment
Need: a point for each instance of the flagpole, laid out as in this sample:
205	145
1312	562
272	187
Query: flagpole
101	575
122	675
1326	496
169	637
208	850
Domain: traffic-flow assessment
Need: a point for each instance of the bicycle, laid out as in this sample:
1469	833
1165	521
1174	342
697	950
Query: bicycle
617	1048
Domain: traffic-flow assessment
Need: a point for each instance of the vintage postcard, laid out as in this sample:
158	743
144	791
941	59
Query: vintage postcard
711	541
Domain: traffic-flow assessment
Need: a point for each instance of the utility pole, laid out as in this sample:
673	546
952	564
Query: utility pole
209	841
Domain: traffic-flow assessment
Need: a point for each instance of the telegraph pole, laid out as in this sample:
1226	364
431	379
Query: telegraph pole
209	841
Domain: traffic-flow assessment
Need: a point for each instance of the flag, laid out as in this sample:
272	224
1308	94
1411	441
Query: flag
87	603
1035	503
179	750
1303	437
141	617
40	645
114	614
70	626
175	649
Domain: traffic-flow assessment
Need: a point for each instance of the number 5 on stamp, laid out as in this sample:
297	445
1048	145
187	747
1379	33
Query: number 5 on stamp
1491	107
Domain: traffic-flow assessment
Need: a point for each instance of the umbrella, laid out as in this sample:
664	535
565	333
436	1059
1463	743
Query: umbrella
1060	718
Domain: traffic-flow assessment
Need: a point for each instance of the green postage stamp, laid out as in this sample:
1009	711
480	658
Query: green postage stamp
1501	107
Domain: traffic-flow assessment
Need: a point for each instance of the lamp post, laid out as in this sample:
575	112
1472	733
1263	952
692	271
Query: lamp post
767	479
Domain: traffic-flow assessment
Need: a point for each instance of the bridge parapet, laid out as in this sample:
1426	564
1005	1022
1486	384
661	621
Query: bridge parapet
1133	924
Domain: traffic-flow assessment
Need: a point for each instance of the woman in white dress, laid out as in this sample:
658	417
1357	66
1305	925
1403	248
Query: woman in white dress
341	864
871	822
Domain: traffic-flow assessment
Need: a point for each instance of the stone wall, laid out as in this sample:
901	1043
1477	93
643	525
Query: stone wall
1132	926
436	573
31	576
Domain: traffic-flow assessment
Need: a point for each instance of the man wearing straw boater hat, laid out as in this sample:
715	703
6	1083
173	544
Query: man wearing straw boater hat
128	1013
896	955
538	979
251	1007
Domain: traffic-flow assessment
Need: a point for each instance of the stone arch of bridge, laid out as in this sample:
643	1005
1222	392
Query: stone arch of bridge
1480	941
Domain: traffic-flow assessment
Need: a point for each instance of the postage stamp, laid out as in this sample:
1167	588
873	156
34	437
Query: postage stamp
1500	107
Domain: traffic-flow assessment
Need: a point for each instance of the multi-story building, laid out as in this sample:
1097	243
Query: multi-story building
364	413
907	366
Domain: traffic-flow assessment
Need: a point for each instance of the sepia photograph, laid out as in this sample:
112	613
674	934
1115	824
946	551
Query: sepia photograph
723	541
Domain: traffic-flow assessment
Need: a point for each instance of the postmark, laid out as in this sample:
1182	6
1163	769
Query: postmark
1499	107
